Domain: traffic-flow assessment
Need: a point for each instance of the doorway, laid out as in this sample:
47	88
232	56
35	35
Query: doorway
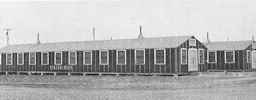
192	59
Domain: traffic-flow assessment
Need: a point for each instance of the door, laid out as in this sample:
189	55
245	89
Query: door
192	60
253	59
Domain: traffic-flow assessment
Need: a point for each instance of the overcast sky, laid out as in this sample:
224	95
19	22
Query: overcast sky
60	21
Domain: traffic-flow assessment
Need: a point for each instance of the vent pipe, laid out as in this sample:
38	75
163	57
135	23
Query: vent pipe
38	40
207	38
7	35
93	31
140	37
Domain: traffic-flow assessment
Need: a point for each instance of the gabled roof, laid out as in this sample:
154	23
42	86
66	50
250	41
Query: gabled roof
158	42
228	45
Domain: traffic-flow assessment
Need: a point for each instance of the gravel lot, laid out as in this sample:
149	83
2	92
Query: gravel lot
210	86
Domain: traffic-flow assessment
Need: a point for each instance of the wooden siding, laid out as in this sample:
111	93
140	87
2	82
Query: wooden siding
183	68
172	64
240	61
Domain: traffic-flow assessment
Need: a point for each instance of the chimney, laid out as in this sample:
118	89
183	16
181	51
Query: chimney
7	35
253	39
207	38
38	40
140	37
93	31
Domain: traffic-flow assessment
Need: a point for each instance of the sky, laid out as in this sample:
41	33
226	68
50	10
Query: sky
63	21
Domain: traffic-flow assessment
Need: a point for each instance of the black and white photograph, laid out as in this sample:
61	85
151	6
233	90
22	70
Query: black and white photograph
127	50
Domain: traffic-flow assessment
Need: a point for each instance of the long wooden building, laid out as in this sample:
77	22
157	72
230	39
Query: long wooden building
231	55
160	55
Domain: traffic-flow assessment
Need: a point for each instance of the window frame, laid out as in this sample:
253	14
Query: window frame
107	58
192	39
226	56
118	59
18	59
199	54
7	59
181	56
70	59
55	57
84	58
156	57
215	56
247	60
29	58
136	57
42	58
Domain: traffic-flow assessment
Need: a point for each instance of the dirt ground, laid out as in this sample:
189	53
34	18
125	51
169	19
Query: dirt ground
205	86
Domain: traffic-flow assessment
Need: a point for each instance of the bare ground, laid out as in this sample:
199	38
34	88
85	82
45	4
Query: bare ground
205	86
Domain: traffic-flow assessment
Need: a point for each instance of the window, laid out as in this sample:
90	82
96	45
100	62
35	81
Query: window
32	58
45	58
183	56
87	57
72	58
20	59
212	57
103	57
201	56
249	56
192	42
160	56
140	57
9	59
58	58
121	57
229	57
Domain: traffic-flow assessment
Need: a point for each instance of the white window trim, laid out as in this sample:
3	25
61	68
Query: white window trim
215	57
181	56
247	60
7	57
118	59
70	59
107	58
193	44
22	59
29	58
56	57
199	54
164	57
136	57
84	58
233	57
47	58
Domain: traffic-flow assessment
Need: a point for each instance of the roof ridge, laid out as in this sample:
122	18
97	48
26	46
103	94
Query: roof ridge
101	40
